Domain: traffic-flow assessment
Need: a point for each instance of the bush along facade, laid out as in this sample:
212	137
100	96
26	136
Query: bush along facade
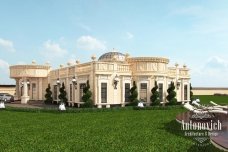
155	100
171	97
133	95
63	95
191	93
87	94
48	95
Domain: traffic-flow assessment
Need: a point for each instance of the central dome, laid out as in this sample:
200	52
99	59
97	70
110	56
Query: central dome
112	56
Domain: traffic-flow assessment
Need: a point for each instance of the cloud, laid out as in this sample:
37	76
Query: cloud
212	73
6	45
216	62
52	50
206	21
5	72
4	65
190	11
90	43
129	35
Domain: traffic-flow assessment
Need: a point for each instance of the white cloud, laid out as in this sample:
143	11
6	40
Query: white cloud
216	62
71	61
190	10
129	35
90	43
52	50
5	73
6	45
4	65
212	73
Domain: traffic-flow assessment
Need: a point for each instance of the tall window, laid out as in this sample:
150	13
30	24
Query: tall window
70	92
160	88
82	86
33	90
103	92
143	91
55	92
185	92
127	91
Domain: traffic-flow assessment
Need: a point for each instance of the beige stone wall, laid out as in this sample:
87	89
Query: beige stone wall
140	69
10	90
209	91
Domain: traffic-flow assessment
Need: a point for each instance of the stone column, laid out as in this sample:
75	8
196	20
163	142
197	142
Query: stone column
17	93
177	78
25	97
40	88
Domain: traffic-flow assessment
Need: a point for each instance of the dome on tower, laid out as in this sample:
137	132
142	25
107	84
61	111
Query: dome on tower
112	56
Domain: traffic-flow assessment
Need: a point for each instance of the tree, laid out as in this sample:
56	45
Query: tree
48	95
63	95
171	97
133	94
87	94
191	93
155	95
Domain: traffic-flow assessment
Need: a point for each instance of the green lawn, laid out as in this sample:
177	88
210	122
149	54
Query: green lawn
205	99
120	130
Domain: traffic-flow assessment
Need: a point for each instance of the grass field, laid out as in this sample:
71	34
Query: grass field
123	130
205	99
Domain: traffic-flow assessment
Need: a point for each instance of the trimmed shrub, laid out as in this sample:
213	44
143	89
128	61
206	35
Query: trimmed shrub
171	97
87	94
63	95
48	95
133	95
155	95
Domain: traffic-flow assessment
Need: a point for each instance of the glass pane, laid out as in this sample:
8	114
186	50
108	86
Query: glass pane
103	92
127	91
33	90
143	91
55	92
82	86
185	92
70	92
160	88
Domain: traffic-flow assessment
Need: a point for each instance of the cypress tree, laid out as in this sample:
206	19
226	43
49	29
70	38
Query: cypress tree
63	95
171	97
155	95
48	95
87	94
133	94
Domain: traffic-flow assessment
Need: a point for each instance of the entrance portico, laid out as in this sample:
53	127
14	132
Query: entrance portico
30	76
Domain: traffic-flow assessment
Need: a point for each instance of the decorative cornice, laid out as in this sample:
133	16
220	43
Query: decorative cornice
30	67
148	59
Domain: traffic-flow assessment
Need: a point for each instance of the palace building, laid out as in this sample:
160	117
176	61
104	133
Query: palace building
110	78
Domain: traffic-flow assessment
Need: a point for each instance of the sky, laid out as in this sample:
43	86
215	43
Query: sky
193	32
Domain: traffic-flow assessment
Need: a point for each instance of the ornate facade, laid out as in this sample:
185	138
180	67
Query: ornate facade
110	78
